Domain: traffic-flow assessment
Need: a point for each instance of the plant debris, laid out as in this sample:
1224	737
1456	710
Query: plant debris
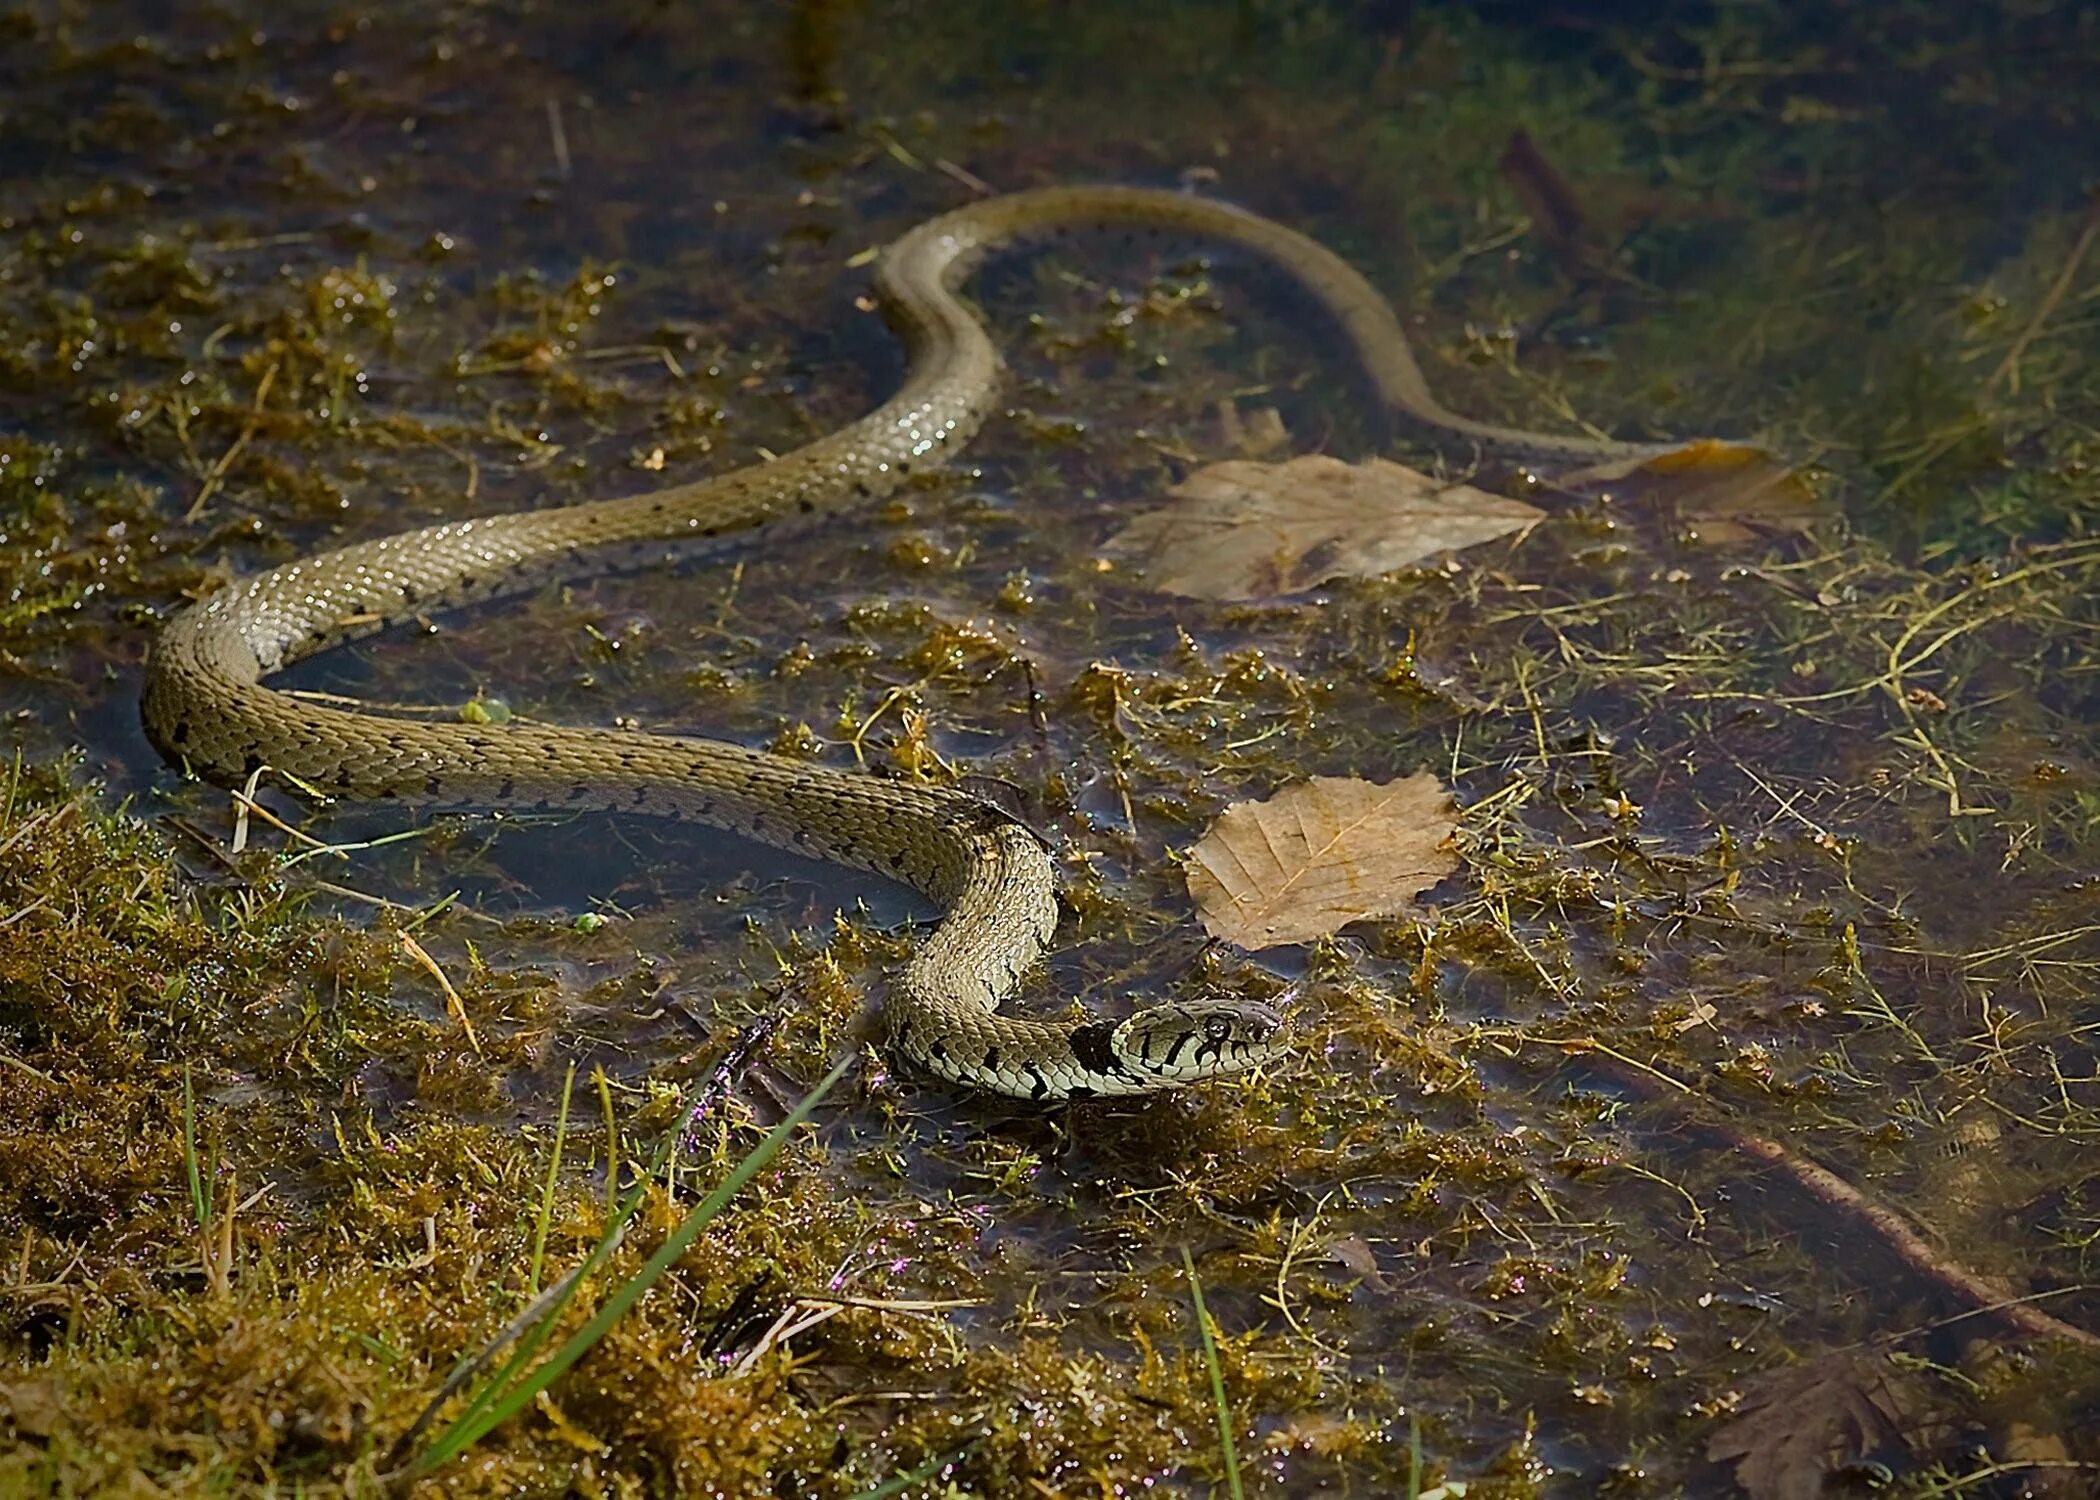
1246	530
1320	855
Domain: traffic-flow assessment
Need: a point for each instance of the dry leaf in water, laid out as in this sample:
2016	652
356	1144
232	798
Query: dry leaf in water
1724	492
1320	855
1244	530
1798	1427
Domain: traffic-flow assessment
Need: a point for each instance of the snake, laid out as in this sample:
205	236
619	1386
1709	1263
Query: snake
208	708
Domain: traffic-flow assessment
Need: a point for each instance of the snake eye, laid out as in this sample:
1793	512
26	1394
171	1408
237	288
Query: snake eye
1217	1030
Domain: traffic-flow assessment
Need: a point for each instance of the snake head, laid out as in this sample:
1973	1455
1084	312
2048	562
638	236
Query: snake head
1191	1041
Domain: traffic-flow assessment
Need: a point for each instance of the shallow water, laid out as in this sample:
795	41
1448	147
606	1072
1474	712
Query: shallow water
1776	835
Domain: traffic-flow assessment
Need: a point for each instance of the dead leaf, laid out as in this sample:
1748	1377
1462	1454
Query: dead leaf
1733	494
1723	492
1691	456
1244	530
1320	855
1799	1426
1354	1253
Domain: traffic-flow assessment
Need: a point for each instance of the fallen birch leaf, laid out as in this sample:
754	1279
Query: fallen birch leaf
1245	530
1320	855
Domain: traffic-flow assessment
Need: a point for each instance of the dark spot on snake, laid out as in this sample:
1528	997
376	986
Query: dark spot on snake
507	790
1041	1085
805	505
432	786
343	782
394	741
543	805
1079	1091
897	860
578	792
937	1050
991	1059
1093	1045
251	763
181	736
410	594
1174	1053
641	795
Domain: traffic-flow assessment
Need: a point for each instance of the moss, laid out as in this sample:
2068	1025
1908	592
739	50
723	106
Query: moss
1793	829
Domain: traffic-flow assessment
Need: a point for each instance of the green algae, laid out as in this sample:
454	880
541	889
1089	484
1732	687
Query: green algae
1803	824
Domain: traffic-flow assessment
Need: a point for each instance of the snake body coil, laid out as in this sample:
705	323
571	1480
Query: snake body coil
206	705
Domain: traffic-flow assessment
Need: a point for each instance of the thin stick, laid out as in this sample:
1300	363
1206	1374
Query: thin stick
226	459
2009	368
457	1006
1828	1188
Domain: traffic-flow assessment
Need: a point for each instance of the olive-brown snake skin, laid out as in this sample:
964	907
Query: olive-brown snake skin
206	704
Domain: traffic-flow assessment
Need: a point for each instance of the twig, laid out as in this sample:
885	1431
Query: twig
561	138
457	1006
733	1062
2009	368
226	459
1833	1191
20	1066
1826	1187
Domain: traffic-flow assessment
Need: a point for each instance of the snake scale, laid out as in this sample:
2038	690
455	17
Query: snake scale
206	704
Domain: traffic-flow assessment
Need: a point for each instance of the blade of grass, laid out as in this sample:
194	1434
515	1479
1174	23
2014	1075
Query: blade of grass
539	1230
198	1205
612	1137
897	1484
1217	1380
509	1392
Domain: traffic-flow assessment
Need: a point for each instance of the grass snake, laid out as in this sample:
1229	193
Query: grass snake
207	706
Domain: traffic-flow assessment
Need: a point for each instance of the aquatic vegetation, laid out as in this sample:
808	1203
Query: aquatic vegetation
1768	835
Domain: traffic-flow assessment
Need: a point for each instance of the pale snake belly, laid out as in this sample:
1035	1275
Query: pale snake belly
206	704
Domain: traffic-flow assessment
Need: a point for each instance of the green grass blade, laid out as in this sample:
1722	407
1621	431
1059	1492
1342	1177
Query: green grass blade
1217	1381
539	1230
897	1484
189	1150
508	1393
